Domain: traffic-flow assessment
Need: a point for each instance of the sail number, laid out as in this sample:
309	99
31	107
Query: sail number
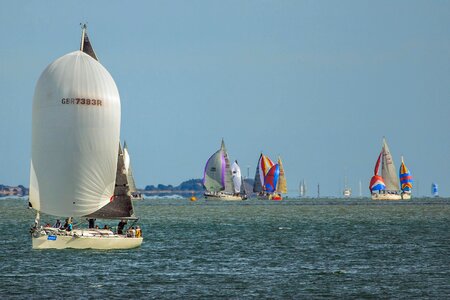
81	101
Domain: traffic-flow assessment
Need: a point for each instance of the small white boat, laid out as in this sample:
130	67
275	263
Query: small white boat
77	162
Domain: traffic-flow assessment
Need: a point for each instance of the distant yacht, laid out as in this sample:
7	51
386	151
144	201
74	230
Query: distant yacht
270	181
302	188
222	181
434	190
347	191
386	186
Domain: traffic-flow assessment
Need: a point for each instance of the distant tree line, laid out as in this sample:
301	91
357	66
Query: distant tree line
189	185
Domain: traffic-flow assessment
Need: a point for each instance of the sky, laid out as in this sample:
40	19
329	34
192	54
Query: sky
318	83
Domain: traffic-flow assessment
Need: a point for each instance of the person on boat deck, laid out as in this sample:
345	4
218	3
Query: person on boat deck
138	231
57	224
91	223
106	227
69	227
131	232
120	226
66	224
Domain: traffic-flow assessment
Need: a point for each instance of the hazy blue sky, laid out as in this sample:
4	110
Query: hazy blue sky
317	82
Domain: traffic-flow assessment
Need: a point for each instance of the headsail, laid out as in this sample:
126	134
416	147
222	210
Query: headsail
388	170
75	133
85	44
258	184
236	175
405	178
120	205
128	169
282	185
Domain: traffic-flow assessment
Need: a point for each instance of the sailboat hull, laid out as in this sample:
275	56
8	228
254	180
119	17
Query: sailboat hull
389	197
273	197
222	197
75	240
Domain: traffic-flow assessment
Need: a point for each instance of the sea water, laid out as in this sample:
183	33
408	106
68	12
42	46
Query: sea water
296	248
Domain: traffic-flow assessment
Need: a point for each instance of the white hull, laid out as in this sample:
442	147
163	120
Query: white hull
84	239
386	196
222	197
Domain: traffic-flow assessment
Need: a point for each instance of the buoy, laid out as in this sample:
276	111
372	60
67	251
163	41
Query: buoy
193	198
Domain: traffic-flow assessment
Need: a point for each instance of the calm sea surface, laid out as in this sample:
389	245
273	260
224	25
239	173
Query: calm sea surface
313	248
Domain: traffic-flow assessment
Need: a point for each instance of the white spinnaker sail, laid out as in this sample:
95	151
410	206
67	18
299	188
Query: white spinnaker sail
388	170
76	128
237	178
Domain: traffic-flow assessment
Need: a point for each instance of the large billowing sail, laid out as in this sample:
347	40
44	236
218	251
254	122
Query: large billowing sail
405	178
217	174
236	175
282	185
263	166
388	170
75	133
377	183
271	179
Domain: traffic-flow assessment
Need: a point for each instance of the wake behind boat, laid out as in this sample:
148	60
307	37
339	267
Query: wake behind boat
222	181
77	164
386	186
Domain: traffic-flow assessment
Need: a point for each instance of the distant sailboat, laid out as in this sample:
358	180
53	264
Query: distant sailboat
217	178
386	186
270	180
302	188
77	161
347	191
434	190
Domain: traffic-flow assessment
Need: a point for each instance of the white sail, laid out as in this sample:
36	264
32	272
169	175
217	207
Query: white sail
128	169
237	178
75	133
228	181
388	170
